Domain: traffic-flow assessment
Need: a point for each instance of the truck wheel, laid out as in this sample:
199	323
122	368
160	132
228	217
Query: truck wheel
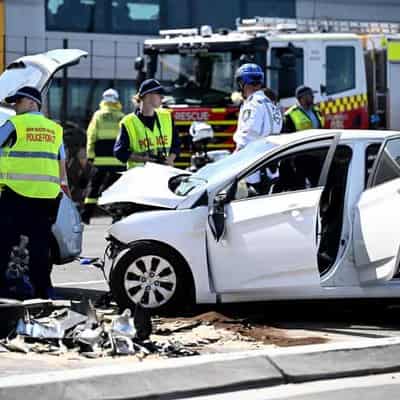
152	275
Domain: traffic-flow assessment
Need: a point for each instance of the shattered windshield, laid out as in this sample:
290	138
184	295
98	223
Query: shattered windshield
198	78
225	168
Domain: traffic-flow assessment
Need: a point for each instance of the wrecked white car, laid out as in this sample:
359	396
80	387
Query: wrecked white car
323	224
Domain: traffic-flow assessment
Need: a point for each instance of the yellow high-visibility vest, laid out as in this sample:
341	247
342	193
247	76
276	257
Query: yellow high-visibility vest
31	166
301	120
101	134
142	140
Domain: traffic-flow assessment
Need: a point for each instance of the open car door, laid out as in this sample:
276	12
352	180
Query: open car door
376	234
269	242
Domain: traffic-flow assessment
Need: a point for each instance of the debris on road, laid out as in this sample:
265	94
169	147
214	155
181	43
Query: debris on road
78	329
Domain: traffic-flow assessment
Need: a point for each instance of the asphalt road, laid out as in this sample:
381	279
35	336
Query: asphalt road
353	319
376	387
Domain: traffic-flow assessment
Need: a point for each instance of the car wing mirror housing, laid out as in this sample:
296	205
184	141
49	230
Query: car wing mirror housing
216	220
217	216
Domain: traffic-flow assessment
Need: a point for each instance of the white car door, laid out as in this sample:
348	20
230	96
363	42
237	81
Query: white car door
376	232
269	240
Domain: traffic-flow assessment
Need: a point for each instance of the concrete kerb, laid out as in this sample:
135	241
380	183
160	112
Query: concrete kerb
209	374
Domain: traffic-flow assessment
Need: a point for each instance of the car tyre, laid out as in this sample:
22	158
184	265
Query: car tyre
153	275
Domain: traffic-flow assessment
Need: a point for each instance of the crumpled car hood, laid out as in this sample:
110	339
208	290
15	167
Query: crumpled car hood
147	185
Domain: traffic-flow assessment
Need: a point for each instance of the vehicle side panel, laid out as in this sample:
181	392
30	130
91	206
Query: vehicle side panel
184	230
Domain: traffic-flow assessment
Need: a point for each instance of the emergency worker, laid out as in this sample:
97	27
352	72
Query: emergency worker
101	134
32	171
304	114
258	115
148	134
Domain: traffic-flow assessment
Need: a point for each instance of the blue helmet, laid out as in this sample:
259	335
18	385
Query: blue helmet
249	74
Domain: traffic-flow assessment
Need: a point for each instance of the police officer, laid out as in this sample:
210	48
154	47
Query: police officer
32	168
304	114
101	134
149	133
258	115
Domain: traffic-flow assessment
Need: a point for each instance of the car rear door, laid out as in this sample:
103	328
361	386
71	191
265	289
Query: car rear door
270	240
376	229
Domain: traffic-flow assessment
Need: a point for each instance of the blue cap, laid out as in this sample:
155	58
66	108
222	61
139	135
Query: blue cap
150	86
26	91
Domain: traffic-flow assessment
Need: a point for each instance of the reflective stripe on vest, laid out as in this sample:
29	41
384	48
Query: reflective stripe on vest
155	141
31	167
30	177
32	154
301	120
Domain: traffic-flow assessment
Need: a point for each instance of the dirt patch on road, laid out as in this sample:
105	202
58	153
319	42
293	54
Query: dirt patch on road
242	330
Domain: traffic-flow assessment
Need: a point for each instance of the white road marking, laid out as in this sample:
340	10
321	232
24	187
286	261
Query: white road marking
79	283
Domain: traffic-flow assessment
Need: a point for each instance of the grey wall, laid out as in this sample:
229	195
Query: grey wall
366	10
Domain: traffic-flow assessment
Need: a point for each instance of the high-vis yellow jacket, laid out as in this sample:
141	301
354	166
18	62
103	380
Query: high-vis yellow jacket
301	120
144	141
31	166
102	132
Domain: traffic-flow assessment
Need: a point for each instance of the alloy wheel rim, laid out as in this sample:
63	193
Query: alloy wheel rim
150	281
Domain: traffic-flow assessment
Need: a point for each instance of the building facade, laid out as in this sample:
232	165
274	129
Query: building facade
112	31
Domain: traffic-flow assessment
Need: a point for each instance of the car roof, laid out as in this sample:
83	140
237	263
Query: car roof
346	134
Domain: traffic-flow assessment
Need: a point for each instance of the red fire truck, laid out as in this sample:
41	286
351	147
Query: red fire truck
353	68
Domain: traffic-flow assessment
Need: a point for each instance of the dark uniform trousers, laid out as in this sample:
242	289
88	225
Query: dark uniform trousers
33	218
102	178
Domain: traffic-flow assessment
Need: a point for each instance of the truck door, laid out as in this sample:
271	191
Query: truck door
343	85
393	77
285	69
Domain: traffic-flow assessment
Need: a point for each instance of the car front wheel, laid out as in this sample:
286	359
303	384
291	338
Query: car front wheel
153	276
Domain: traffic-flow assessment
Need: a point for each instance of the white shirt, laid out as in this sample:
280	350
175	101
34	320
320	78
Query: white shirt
258	117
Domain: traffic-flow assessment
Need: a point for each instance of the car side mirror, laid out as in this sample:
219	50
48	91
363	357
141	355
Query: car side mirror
216	217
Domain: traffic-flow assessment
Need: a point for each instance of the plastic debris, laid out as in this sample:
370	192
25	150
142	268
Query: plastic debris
89	339
72	319
122	345
37	330
16	345
85	307
124	325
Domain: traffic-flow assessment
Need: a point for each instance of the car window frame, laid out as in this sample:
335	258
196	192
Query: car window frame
335	137
372	175
367	146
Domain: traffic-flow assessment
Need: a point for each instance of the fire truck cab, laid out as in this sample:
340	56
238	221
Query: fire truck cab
352	67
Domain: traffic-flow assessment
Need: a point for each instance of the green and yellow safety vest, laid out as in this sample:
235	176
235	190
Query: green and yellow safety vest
301	120
144	141
101	134
31	166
